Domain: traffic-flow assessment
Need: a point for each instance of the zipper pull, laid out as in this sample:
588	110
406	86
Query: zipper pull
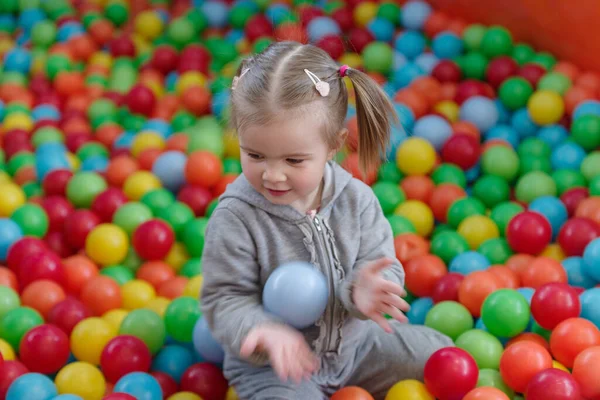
317	223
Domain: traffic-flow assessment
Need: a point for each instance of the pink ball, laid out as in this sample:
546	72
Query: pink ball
450	373
529	232
41	265
68	313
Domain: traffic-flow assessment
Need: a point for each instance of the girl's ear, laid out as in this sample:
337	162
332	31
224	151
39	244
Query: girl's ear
342	135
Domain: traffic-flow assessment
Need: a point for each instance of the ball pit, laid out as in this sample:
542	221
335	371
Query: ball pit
114	148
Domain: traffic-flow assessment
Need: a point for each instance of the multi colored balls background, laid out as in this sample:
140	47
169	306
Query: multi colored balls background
115	148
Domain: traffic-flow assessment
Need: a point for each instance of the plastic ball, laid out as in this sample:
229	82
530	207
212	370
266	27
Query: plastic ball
576	234
145	325
107	244
481	111
545	107
409	389
553	303
419	214
450	318
153	239
81	379
571	337
484	347
505	313
583	374
10	232
124	354
434	129
415	156
44	349
377	57
89	337
205	344
139	183
529	232
22	387
477	229
140	385
450	373
521	362
415	14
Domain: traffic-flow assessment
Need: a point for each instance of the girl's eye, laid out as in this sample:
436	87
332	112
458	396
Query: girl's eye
254	156
294	161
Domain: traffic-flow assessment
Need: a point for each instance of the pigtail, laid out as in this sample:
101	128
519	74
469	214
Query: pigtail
375	114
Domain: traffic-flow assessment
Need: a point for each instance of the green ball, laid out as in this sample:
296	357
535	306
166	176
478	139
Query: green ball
463	208
119	273
389	172
491	190
9	300
57	63
535	163
182	120
534	147
32	189
178	215
130	215
239	14
503	213
484	347
449	173
544	59
157	199
515	92
102	108
83	188
522	53
378	57
450	318
566	179
389	11
181	317
400	225
448	244
132	260
92	149
17	322
497	250
585	131
193	236
32	219
590	167
232	166
439	229
43	34
500	161
147	326
473	65
261	44
211	207
492	378
47	135
473	36
390	195
533	185
555	81
206	134
497	41
191	268
20	160
545	333
116	12
505	313
198	19
594	186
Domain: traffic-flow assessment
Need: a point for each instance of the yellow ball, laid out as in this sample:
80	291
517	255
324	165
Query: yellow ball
136	294
364	13
231	394
148	24
177	256
415	156
353	60
89	337
476	229
101	59
38	64
18	120
158	305
141	44
73	161
5	178
554	251
419	214
557	365
448	109
11	198
139	183
184	396
81	379
115	317
189	79
409	389
194	287
231	145
146	140
107	244
545	107
6	350
156	88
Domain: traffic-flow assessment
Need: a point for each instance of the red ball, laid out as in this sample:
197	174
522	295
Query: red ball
153	239
124	354
164	59
9	371
470	88
78	225
140	100
572	197
22	248
122	46
258	26
499	69
55	182
44	349
194	58
13	147
461	149
333	45
552	303
68	313
450	373
108	202
576	233
42	265
57	242
344	18
359	38
167	383
447	71
529	232
206	380
532	72
553	384
74	141
196	197
446	288
307	13
57	208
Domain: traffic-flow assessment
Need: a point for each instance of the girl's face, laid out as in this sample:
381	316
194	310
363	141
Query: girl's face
285	161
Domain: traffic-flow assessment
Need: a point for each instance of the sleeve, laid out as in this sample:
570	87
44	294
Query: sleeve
232	292
376	241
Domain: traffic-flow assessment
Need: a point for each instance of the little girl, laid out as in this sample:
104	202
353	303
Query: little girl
293	203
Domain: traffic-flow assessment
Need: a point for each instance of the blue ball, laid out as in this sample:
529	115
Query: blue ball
173	360
32	386
503	132
67	397
397	136
480	111
30	17
473	173
427	62
124	140
2	110
410	44
320	27
159	126
50	157
591	259
399	61
574	267
276	13
169	167
469	261
553	209
406	74
433	128
220	102
45	112
205	344
504	113
406	116
95	164
590	299
523	124
447	45
553	135
69	30
588	107
414	14
140	385
171	79
382	29
568	155
297	292
234	35
17	60
418	310
527	292
216	13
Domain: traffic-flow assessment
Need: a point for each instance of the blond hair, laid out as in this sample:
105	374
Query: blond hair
274	82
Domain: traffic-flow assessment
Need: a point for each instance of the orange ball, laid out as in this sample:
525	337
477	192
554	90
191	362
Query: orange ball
541	271
571	337
442	198
467	128
437	22
422	274
220	187
177	142
520	362
414	100
42	295
25	174
505	276
531	337
568	69
101	294
486	393
79	270
107	133
351	164
429	87
448	91
352	393
8	278
196	100
155	273
418	187
409	246
102	31
68	83
588	80
518	262
147	157
172	288
119	169
203	168
585	372
82	47
474	288
589	208
576	95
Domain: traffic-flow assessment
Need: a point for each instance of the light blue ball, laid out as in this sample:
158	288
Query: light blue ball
406	116
473	173
504	113
527	292
553	209
587	107
17	60
276	13
523	124
553	135
414	14
399	60
418	310
447	45
404	76
32	386
50	157
30	17
234	35
382	29
220	102
480	111
503	132
205	344
10	232
159	126
591	259
68	397
216	13
297	292
410	44
469	261
434	129
427	62
590	300
568	155
95	164
173	360
45	112
169	167
140	385
69	30
124	140
575	273
320	27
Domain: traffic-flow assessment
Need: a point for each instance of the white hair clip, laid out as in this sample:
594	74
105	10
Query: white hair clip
236	79
322	87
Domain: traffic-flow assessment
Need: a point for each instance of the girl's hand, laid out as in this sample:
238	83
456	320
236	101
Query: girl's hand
288	352
375	296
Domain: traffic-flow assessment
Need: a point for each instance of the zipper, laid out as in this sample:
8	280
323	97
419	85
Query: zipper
330	278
